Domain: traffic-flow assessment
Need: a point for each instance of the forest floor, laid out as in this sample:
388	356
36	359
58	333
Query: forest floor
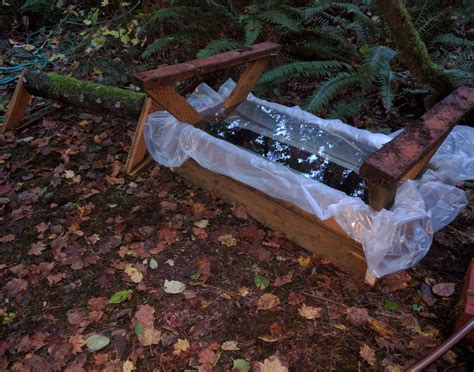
86	251
75	231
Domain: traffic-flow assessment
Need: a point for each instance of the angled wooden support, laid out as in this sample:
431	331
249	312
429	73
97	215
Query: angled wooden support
16	110
407	154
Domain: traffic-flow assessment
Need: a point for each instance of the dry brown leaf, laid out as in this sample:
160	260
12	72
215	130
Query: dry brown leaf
368	354
180	346
36	249
128	366
135	275
272	364
230	346
208	358
381	328
149	336
227	240
443	289
282	280
309	312
358	316
77	342
267	301
145	315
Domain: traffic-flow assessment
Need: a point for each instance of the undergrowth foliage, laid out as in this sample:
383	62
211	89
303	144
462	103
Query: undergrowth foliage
344	45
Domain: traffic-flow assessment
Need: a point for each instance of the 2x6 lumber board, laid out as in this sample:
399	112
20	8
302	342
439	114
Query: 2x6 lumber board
181	71
246	82
20	100
175	104
325	238
138	148
407	154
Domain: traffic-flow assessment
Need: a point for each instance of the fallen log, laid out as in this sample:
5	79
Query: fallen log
84	94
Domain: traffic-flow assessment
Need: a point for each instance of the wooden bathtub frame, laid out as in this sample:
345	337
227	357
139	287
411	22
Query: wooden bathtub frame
401	159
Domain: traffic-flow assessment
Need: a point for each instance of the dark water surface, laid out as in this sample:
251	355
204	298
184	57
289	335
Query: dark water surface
315	166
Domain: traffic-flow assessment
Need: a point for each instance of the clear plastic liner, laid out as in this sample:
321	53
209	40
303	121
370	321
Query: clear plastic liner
393	240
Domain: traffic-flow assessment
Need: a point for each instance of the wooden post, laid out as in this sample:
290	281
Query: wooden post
246	82
175	104
137	152
16	110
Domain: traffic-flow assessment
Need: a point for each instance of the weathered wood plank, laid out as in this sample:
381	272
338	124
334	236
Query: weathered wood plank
246	82
174	73
16	110
175	104
407	154
325	238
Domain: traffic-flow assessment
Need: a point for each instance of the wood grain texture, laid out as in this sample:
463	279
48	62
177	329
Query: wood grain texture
16	110
137	151
325	238
175	104
408	153
246	82
196	67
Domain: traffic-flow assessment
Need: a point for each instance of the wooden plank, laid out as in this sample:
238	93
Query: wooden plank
325	238
408	153
246	82
174	73
137	150
175	104
380	197
16	110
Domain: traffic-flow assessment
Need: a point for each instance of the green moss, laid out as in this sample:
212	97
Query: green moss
61	85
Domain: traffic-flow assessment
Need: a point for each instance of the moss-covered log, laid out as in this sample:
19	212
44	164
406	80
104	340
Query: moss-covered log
412	48
84	94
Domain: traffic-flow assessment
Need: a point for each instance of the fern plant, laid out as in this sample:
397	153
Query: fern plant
338	49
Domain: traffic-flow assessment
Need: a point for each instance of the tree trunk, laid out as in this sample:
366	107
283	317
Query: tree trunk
412	48
84	94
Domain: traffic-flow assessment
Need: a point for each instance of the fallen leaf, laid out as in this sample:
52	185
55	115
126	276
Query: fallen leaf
120	296
174	286
128	366
55	278
201	224
168	234
282	280
241	365
240	211
36	249
230	346
153	264
208	358
180	346
358	316
272	364
97	342
243	291
77	342
267	301
304	261
135	275
309	312
261	281
381	328
227	240
444	289
75	316
145	315
368	354
149	336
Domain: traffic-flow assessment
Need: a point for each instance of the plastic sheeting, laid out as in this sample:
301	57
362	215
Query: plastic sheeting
393	240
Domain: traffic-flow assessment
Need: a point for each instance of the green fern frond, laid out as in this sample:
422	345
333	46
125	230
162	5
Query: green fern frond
453	40
218	46
310	13
301	69
346	110
279	18
156	46
175	12
331	88
428	7
321	51
376	60
385	82
252	30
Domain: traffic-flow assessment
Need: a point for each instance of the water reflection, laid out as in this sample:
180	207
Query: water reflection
302	147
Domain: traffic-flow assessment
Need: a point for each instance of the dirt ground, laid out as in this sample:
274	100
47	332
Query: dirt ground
75	231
